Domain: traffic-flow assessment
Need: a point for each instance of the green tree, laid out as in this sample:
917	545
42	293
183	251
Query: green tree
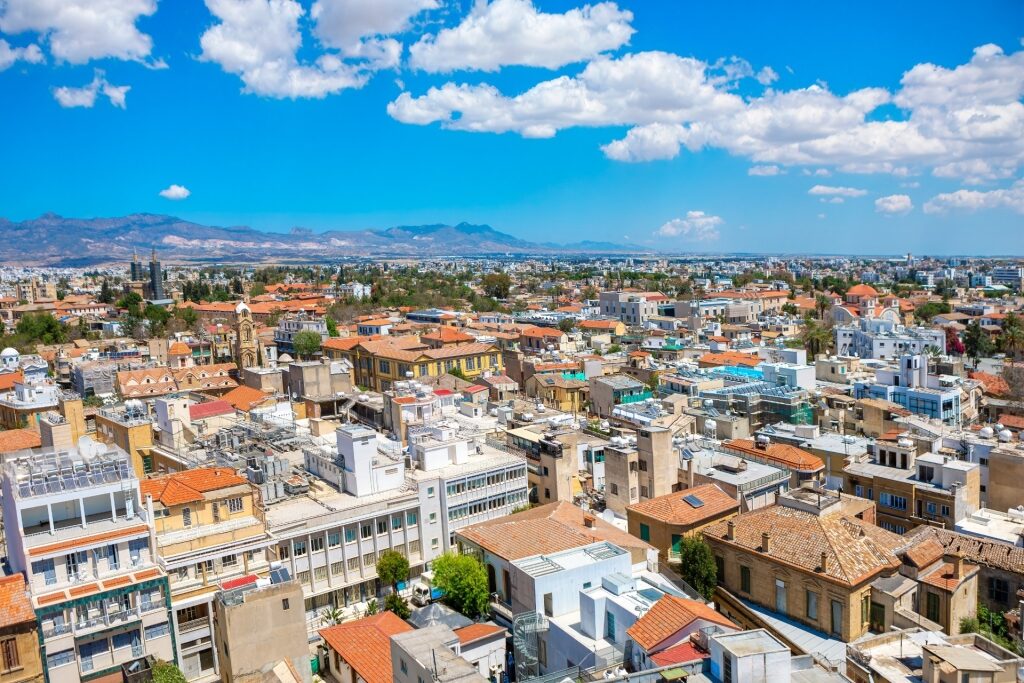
821	304
167	672
306	343
332	616
257	289
394	602
816	337
106	293
41	327
332	327
1011	339
697	565
463	580
496	285
566	325
976	341
790	308
589	293
392	568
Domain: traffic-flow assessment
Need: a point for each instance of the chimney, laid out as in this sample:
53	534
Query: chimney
958	566
731	531
824	562
766	542
588	521
690	473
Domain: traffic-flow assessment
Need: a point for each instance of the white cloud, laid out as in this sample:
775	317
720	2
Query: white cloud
974	200
768	170
966	122
821	216
894	204
834	191
78	31
696	227
30	54
767	76
258	40
85	96
175	192
832	200
358	28
514	32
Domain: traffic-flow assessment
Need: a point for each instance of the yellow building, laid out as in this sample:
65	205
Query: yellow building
211	535
379	363
19	636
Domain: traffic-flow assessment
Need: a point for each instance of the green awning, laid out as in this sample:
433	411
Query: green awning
674	674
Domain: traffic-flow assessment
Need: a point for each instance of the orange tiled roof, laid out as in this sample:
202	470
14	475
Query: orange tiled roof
365	644
17	439
672	508
783	454
730	358
189	485
245	398
668	616
447	334
944	577
994	384
179	349
15	605
924	554
854	549
474	632
9	379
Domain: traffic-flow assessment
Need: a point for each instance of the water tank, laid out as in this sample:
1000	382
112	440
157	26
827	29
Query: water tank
363	397
527	417
986	432
605	424
763	440
905	443
1006	436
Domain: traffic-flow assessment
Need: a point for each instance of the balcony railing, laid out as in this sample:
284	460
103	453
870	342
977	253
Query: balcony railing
57	630
193	624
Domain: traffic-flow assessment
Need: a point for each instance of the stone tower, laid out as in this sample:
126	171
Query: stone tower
245	339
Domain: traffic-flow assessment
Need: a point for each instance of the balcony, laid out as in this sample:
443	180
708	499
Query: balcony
58	629
193	624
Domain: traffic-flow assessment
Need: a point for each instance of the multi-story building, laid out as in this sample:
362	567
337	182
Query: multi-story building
210	533
632	308
882	339
608	392
1011	276
911	386
19	633
640	470
369	502
913	489
290	325
76	527
664	521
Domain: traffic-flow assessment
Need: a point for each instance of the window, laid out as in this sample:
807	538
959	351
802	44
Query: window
123	640
302	577
609	625
430	492
998	590
299	548
206	566
369	559
719	567
931	606
434	543
157	630
337	568
586	585
59	658
317	543
216	511
229	560
382	526
9	654
645	532
186	516
284	551
353	564
614	489
396	523
320	573
333	539
945	511
45	567
548	605
547	493
350	535
837	618
403	667
812	605
284	604
865	608
235	505
744	579
366	531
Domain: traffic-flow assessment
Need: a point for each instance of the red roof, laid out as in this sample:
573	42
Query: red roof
679	654
668	616
239	581
365	644
475	632
201	411
9	379
17	439
474	389
15	606
189	485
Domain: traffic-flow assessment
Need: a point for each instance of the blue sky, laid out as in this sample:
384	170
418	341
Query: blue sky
626	128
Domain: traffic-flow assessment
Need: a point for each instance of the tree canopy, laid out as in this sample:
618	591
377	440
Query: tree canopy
697	565
306	343
464	582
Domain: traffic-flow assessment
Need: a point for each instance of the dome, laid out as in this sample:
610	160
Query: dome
9	352
862	291
242	306
285	358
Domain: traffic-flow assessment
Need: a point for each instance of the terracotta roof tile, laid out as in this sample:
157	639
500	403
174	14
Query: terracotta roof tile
18	439
88	540
245	398
474	632
673	508
202	411
365	644
189	485
924	554
15	604
944	578
679	654
782	454
977	550
668	616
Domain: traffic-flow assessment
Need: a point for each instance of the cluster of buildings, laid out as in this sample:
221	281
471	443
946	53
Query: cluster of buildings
216	498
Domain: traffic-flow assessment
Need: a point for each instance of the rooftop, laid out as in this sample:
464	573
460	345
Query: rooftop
688	507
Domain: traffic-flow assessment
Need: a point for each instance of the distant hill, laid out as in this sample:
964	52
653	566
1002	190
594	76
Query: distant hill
56	240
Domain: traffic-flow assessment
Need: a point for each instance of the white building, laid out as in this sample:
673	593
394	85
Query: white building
880	338
76	528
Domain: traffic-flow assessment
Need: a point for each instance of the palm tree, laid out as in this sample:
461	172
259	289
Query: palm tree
822	303
332	616
816	337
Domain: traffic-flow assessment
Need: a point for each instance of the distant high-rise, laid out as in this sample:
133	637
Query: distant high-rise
156	278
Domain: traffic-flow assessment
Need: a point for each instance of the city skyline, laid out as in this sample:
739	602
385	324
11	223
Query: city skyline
665	127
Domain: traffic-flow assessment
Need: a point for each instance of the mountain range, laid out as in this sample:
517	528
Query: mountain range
58	241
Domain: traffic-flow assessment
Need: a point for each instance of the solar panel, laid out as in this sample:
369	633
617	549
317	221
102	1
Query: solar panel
693	500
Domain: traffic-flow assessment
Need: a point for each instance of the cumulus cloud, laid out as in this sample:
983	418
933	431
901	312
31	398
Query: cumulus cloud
175	192
258	40
974	200
966	122
514	32
767	76
30	54
836	191
696	227
85	96
359	29
894	204
768	170
78	31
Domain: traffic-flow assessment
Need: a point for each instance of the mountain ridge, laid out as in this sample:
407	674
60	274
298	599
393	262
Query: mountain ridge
52	239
